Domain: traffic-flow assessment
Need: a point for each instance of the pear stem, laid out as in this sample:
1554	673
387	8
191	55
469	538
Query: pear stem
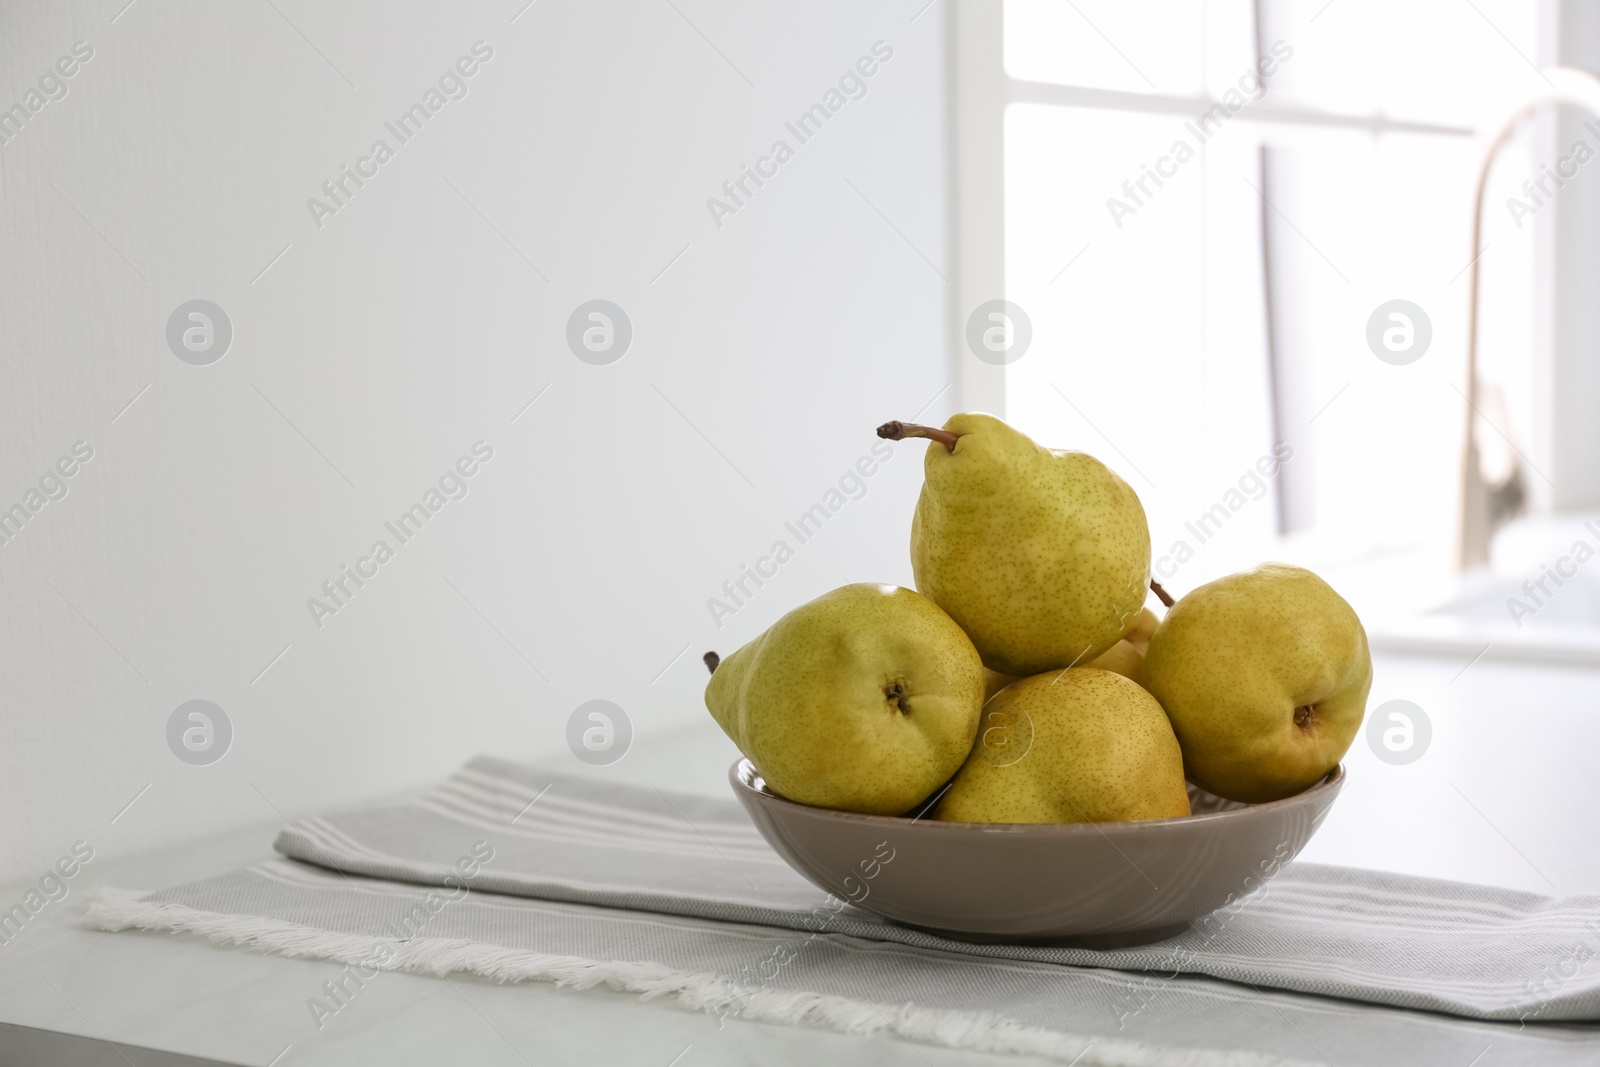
1161	594
711	660
899	431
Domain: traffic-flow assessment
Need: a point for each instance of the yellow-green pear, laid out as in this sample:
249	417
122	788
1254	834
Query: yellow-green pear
1121	658
866	699
993	682
1264	675
1042	556
1126	657
1082	745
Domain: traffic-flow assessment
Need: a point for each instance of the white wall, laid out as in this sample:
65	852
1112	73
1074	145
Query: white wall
1574	432
383	344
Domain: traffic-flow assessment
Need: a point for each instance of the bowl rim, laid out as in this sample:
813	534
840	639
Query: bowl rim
1330	782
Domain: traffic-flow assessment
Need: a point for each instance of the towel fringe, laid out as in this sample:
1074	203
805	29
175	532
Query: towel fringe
119	909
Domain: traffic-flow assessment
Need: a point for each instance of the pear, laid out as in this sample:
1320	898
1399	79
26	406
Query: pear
993	682
1264	675
1041	556
865	699
1082	745
1126	657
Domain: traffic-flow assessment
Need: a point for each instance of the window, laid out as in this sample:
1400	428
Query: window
1199	251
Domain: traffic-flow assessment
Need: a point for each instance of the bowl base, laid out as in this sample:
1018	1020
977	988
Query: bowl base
1106	941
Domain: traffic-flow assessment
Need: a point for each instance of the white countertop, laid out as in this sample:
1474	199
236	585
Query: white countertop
1501	796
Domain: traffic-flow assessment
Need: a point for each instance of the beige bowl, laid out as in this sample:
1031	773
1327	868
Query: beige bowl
1092	884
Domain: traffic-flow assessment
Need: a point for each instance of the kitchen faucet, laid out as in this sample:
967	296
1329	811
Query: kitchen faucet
1564	85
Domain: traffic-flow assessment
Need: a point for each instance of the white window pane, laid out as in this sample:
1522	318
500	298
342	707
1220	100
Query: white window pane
1168	47
1148	350
1360	221
1439	61
1143	48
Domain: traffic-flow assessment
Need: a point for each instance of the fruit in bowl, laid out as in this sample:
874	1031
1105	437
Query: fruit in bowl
1042	556
1265	676
1046	756
1097	749
865	699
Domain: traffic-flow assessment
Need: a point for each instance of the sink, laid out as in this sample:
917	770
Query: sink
1538	600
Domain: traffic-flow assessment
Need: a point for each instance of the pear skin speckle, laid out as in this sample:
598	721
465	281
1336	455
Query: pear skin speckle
865	699
1083	745
1042	556
1265	676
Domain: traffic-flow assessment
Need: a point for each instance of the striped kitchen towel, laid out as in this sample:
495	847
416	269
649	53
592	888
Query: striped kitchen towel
518	873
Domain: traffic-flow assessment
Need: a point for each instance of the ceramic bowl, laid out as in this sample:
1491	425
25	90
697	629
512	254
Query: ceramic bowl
1091	884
